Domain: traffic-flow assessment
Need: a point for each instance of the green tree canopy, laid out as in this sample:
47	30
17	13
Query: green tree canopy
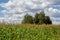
47	20
39	18
27	19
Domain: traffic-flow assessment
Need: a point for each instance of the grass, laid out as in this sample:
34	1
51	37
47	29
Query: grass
29	32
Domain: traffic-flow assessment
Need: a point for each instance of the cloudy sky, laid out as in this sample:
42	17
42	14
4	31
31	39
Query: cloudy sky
13	11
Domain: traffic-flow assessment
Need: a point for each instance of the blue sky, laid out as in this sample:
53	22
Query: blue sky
3	1
14	10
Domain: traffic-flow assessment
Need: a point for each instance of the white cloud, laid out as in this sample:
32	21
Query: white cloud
18	8
54	14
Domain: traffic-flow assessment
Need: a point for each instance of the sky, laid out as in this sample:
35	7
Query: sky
13	11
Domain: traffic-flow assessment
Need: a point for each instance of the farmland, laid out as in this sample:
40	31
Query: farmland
29	32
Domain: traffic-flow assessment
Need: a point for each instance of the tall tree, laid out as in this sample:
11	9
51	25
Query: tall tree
47	20
39	18
27	19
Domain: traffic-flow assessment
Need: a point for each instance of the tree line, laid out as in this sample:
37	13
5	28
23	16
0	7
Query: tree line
39	18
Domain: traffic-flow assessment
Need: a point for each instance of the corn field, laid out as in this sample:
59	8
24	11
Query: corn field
29	32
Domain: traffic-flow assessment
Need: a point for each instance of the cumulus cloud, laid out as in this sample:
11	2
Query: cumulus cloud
54	13
16	9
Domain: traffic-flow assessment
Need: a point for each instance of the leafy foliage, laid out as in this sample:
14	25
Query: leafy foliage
47	20
27	19
39	18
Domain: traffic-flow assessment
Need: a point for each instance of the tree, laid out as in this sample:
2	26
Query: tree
47	20
36	19
39	18
27	19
